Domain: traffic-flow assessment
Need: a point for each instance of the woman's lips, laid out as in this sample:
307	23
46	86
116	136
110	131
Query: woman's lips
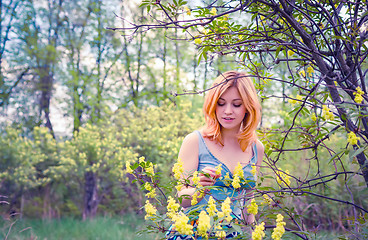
228	119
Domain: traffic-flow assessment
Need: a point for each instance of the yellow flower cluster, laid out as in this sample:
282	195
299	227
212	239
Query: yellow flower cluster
358	95
326	113
279	230
314	117
211	207
150	169
151	191
283	177
219	233
195	196
293	101
178	169
226	210
181	224
128	168
310	71
150	210
197	41
142	159
258	232
213	11
172	207
204	223
302	73
227	179
187	10
353	139
254	170
218	170
267	199
196	179
290	53
252	208
238	174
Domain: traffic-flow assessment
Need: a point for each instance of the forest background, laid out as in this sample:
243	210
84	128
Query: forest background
88	86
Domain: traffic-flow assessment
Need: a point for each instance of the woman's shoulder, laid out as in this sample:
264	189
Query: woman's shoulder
259	146
191	138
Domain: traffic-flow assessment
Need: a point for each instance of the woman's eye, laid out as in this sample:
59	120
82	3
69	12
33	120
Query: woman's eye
220	104
237	105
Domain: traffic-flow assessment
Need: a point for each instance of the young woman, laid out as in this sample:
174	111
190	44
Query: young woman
232	113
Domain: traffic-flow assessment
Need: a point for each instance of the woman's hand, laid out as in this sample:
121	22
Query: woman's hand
208	177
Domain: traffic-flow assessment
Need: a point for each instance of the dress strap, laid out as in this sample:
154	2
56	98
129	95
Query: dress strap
255	158
201	144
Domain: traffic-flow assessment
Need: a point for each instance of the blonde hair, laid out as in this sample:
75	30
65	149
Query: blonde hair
244	84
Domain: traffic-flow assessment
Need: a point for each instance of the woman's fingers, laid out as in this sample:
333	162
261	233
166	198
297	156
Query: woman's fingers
211	171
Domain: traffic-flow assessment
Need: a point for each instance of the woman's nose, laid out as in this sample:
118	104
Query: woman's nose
228	109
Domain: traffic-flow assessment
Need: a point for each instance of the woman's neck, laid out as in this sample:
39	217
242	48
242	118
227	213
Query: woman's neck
229	136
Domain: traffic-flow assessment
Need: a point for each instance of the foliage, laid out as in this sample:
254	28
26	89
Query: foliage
104	150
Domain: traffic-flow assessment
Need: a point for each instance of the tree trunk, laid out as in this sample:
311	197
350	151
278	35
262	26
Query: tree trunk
90	195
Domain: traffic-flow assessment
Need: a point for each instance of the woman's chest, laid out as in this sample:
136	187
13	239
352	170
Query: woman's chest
230	155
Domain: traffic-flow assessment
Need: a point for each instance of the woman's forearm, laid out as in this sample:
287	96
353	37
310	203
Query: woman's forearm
187	194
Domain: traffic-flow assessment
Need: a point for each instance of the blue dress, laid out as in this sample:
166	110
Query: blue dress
221	190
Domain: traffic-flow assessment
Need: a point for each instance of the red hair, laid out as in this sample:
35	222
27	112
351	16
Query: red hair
247	91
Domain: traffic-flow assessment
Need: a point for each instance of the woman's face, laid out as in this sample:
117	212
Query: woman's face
230	110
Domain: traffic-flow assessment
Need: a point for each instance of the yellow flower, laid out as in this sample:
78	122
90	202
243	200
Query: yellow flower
195	179
236	182
254	170
197	41
204	223
172	207
252	208
194	200
150	210
283	178
211	209
181	224
219	233
178	169
302	73
225	210
267	199
218	170
353	139
179	187
188	10
279	230
238	171
293	101
141	159
314	117
152	191
326	113
150	169
258	232
358	95
290	53
227	179
128	168
213	11
310	71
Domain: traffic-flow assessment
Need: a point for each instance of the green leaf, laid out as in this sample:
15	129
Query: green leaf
353	154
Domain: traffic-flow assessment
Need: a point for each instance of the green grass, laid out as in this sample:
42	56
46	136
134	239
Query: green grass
123	228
